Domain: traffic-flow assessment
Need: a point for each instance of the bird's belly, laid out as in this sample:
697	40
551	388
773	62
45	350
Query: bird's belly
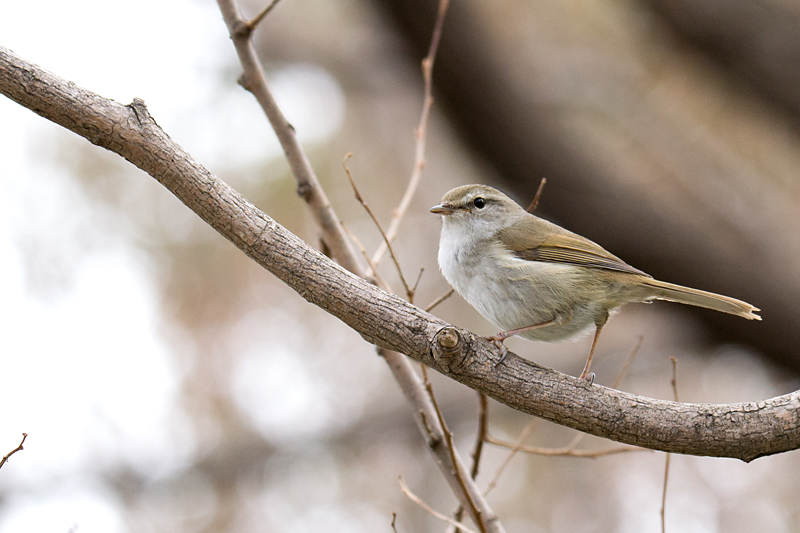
546	292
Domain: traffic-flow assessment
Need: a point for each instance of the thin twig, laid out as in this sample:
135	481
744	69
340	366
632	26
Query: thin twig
409	290
628	361
394	522
15	450
537	196
420	133
523	436
416	284
255	21
565	451
674	382
483	430
377	278
416	499
448	437
440	299
623	371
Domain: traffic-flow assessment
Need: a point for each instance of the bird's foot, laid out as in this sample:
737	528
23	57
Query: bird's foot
497	340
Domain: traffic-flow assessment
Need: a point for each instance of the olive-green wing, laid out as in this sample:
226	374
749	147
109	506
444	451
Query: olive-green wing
571	249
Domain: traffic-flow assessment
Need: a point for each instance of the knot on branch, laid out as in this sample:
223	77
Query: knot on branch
449	348
139	109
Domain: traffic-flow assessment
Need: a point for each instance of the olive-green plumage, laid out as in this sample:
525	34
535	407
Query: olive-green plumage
533	278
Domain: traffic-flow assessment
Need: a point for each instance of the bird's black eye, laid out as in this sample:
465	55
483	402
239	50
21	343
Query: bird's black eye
479	202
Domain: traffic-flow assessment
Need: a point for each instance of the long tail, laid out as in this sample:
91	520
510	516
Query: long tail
685	295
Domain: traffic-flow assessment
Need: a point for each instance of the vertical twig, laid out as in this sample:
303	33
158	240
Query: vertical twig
254	80
537	196
483	428
420	133
373	265
674	382
480	439
448	437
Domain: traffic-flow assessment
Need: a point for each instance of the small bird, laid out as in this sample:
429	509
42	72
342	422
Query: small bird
537	280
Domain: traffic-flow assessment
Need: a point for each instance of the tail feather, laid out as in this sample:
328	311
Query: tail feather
685	295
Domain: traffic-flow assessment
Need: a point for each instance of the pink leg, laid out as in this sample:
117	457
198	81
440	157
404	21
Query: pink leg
503	335
585	374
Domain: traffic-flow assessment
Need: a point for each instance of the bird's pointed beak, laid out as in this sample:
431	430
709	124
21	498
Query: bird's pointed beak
443	209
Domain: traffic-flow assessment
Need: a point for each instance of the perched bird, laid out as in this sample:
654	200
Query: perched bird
538	280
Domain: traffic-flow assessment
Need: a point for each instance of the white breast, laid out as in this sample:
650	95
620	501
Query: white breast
510	292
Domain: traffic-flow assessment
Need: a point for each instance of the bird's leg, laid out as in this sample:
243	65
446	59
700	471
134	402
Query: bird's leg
503	335
599	324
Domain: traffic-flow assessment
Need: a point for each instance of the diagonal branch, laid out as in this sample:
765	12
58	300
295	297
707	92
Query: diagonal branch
368	209
740	430
254	80
333	235
19	447
253	24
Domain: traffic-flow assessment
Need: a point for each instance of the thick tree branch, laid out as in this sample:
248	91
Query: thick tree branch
740	430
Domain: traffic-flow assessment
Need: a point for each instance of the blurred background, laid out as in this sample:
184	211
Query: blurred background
167	383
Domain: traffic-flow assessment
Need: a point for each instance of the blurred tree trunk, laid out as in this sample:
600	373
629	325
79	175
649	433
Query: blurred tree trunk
659	155
757	41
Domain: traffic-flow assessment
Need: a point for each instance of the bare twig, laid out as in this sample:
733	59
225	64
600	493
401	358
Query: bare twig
537	196
420	133
623	371
416	499
377	278
674	382
448	437
15	450
373	264
255	21
628	361
523	436
483	429
565	451
394	522
440	299
416	284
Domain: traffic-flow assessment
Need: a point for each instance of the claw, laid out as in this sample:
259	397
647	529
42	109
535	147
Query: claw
502	346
